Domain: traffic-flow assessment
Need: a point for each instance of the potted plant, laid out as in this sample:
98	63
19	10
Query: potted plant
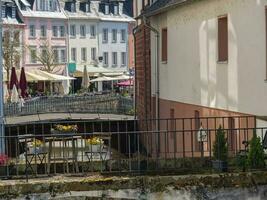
64	129
95	144
36	146
220	152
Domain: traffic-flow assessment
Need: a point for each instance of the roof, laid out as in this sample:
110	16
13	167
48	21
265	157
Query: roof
162	5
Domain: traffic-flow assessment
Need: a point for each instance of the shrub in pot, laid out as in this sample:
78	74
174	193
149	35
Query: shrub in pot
220	151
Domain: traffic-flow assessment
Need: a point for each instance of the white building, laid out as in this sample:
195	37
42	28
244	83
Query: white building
82	32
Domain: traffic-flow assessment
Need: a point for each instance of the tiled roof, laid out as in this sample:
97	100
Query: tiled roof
162	5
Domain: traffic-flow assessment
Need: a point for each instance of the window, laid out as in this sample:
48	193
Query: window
13	12
123	35
116	10
33	55
105	35
55	53
83	54
43	54
222	39
73	54
93	53
164	45
106	9
72	30
114	58
62	31
92	31
32	31
43	31
82	31
123	58
72	7
114	35
3	11
105	58
63	55
55	31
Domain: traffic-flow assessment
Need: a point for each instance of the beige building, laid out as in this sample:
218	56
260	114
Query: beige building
209	61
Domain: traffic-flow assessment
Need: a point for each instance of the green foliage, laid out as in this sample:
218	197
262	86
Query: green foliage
220	146
256	153
242	161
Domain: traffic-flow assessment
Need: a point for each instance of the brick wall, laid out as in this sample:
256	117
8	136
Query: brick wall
143	73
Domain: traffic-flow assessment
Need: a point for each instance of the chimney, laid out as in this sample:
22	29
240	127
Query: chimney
120	8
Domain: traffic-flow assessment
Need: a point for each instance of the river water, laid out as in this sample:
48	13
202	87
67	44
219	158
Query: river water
255	193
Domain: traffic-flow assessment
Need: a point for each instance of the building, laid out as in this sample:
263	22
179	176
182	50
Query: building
45	30
209	61
83	32
13	27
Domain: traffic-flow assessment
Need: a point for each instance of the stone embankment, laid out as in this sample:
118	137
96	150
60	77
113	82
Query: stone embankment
62	185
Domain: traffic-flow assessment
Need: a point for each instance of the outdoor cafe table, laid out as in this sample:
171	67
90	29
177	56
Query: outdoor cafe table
64	142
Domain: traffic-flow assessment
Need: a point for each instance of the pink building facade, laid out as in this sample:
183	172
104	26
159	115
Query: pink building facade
45	28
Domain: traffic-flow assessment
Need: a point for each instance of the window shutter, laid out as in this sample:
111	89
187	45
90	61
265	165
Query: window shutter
164	45
223	39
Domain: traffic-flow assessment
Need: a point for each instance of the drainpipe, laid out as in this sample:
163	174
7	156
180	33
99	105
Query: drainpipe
135	30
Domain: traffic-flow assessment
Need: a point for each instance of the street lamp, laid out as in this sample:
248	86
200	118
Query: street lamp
2	133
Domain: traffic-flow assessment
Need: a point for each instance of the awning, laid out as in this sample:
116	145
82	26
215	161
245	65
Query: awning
94	70
106	78
29	76
49	76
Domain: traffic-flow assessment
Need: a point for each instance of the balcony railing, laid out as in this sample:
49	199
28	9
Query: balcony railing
113	104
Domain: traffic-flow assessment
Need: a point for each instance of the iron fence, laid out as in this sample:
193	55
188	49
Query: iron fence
114	104
122	147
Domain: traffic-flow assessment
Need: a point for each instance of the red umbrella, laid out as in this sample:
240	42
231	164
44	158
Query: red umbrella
23	83
13	79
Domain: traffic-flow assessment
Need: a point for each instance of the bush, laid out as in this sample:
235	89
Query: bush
256	153
220	151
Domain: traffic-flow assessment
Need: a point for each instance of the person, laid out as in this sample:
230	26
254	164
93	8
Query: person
21	103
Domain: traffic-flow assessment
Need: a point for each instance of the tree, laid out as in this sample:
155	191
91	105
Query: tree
11	50
256	153
220	146
47	57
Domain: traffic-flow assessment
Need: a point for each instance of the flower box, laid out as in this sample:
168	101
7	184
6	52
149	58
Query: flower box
95	147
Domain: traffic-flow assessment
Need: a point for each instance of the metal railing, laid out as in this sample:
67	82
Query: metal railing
125	148
114	104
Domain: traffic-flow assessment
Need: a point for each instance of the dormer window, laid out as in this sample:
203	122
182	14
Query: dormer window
13	12
116	9
3	11
72	7
106	9
85	6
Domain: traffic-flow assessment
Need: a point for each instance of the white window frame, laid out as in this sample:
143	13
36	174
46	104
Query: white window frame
105	59
114	59
54	32
123	33
105	39
82	30
32	31
123	59
62	31
106	9
114	35
43	31
33	59
83	54
92	31
73	55
93	54
73	30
